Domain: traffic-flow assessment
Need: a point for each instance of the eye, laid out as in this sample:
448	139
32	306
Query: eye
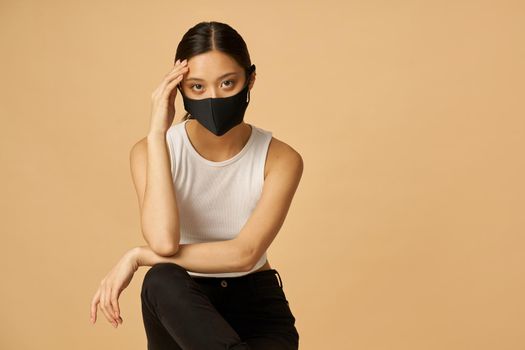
230	81
193	85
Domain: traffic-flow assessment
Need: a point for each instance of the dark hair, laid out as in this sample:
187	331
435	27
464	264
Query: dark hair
208	36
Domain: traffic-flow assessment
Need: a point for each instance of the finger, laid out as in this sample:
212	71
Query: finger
169	88
94	304
114	303
179	62
109	307
161	88
172	76
103	301
104	306
176	68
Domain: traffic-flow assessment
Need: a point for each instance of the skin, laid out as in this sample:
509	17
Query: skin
152	178
196	86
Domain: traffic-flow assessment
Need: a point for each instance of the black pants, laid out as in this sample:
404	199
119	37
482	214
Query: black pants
187	312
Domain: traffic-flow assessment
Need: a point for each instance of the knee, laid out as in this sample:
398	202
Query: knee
164	276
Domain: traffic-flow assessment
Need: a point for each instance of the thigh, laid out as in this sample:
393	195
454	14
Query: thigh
179	306
262	316
157	336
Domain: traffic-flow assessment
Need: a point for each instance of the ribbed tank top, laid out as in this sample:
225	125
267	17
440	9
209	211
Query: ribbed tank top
215	199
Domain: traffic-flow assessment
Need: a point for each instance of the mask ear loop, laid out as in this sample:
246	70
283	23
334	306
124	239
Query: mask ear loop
250	71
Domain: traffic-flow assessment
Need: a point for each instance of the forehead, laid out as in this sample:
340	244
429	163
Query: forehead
211	65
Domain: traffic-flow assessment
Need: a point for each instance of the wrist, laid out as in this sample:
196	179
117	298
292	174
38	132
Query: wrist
144	256
134	256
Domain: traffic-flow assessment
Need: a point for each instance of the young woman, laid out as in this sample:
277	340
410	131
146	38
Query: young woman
213	192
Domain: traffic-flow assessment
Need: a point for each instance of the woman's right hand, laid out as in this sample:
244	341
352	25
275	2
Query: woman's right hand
163	98
112	286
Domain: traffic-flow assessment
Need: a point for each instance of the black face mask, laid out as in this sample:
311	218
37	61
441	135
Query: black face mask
220	114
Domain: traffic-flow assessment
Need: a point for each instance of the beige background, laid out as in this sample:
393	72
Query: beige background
407	230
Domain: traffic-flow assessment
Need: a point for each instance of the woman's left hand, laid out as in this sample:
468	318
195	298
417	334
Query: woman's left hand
111	286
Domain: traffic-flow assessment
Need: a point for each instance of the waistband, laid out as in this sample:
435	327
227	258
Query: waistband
269	277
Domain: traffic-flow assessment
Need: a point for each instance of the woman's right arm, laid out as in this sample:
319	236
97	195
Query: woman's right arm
151	171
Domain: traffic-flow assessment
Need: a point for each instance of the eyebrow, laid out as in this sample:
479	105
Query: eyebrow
222	76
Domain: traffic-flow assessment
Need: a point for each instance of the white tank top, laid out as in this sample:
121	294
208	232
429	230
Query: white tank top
215	199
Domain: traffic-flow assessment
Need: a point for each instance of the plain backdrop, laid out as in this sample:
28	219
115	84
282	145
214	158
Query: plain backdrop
407	229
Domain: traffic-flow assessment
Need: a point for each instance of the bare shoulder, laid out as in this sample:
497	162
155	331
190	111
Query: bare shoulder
281	156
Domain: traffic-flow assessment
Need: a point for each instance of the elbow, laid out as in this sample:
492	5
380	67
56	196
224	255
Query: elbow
164	249
247	260
246	267
163	245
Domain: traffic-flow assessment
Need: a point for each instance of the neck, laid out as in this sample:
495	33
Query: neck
221	147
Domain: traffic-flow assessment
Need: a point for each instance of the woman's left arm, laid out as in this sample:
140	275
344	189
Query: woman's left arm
205	257
242	253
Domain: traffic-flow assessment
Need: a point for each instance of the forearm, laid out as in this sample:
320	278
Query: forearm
206	257
160	219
